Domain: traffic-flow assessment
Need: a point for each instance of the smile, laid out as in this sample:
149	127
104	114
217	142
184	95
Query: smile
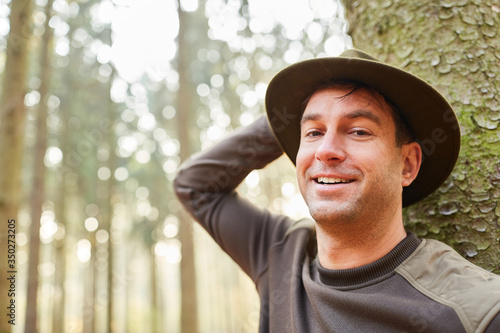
328	180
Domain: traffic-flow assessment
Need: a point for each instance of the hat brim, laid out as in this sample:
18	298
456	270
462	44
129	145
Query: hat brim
428	114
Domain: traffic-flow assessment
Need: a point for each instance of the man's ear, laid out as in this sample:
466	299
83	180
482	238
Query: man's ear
412	159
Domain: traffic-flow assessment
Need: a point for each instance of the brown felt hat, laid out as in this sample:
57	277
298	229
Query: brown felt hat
428	114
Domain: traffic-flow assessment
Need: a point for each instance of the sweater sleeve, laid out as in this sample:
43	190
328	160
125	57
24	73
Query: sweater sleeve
206	186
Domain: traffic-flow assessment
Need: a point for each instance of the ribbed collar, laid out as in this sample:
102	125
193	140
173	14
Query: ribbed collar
354	277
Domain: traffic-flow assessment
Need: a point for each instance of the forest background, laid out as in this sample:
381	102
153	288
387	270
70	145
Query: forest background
102	100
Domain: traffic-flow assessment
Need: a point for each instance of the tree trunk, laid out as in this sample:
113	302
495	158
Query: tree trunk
454	46
62	202
111	164
108	221
89	292
58	309
38	190
153	272
12	119
189	312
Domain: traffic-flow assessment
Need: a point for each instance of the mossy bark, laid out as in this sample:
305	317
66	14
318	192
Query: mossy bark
455	46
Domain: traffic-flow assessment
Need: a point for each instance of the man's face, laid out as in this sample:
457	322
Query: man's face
348	165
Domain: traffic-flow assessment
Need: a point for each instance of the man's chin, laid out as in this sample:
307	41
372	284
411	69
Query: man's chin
344	214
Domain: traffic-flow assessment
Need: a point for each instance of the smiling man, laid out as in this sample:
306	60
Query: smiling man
354	128
349	164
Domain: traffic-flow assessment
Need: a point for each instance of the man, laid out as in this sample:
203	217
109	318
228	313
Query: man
354	128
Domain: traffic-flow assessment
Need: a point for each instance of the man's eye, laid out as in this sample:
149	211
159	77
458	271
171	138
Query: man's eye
360	133
313	133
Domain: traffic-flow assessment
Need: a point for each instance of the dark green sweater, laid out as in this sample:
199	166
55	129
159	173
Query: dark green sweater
420	286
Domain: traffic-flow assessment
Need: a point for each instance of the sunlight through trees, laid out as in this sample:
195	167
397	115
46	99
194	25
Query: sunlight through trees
102	100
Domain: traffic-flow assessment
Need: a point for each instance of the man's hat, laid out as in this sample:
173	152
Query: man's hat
430	117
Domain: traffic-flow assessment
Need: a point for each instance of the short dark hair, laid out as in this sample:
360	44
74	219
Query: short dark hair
403	133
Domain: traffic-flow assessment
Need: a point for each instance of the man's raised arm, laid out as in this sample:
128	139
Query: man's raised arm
206	187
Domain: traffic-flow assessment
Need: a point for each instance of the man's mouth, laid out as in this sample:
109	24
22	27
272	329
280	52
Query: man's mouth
329	180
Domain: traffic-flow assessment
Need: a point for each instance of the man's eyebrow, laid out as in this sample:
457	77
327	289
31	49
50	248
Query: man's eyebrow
363	114
310	117
351	115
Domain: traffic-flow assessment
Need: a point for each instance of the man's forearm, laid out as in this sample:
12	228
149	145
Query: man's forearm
222	168
206	187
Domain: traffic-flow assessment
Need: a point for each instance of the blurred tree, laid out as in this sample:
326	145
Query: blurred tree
60	251
110	185
12	120
67	80
38	188
454	46
143	235
69	89
189	304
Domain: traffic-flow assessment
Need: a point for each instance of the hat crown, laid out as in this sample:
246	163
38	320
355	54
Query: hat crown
354	53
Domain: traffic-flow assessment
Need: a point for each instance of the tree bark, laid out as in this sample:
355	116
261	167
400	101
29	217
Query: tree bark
454	46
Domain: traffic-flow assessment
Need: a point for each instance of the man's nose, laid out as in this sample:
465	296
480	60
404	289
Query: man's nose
331	149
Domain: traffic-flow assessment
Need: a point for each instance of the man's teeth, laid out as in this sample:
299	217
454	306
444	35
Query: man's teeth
328	180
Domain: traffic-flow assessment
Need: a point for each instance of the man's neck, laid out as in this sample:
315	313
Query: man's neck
355	248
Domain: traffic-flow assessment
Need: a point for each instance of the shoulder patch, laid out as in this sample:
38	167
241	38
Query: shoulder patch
439	272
